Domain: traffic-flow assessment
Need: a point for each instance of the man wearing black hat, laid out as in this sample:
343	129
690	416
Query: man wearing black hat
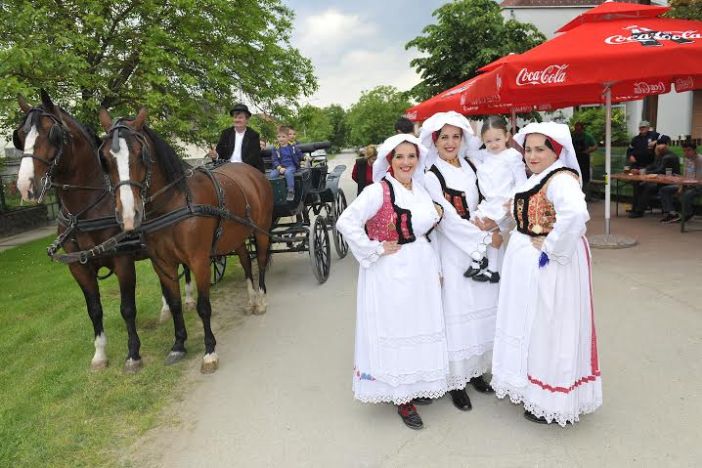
239	143
643	192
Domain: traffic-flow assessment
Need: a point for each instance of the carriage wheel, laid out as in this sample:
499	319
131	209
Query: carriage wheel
320	251
342	248
219	264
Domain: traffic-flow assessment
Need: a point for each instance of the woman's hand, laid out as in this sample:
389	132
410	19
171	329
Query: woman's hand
485	224
390	247
537	242
496	239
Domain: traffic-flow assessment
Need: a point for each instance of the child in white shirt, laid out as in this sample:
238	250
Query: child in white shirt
501	172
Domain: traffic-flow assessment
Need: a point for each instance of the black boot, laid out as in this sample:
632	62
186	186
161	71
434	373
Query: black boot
475	267
409	416
461	400
532	417
422	401
481	385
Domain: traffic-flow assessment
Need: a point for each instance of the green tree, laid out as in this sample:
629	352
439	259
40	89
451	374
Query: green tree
340	132
685	9
312	124
372	118
594	120
185	61
467	35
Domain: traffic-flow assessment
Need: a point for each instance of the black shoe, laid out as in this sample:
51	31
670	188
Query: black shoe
476	267
494	277
422	401
636	214
481	385
669	217
484	276
532	417
461	400
409	416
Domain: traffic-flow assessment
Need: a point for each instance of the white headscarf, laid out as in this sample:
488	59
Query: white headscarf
381	164
435	123
560	133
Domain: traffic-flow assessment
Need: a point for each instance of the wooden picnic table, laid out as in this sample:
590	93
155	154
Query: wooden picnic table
660	179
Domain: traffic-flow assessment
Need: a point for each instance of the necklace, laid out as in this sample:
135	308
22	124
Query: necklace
454	162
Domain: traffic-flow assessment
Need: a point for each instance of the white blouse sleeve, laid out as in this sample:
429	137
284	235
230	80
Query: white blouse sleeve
352	221
571	215
463	234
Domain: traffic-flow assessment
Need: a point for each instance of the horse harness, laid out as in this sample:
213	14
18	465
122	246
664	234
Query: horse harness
112	245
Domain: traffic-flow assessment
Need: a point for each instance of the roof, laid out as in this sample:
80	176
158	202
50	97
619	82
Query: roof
555	3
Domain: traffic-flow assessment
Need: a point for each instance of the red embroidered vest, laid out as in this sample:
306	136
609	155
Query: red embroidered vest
390	223
533	212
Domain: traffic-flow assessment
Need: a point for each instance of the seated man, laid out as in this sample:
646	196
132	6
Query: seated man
641	149
239	143
285	160
693	170
644	191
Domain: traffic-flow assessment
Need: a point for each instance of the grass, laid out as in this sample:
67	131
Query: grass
53	410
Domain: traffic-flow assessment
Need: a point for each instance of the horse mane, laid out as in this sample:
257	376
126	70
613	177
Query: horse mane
173	167
88	133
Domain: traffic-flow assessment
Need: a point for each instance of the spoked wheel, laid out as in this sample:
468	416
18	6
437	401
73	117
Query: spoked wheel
342	248
320	251
219	264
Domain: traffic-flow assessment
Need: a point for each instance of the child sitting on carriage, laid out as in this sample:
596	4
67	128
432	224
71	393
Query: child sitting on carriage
285	159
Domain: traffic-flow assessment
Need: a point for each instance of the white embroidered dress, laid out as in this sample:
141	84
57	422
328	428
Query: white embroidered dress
499	175
545	347
400	351
469	306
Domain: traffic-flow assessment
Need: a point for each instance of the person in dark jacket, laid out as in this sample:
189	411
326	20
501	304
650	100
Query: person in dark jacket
641	149
643	192
362	172
239	143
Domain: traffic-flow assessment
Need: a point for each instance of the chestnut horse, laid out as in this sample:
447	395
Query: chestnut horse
60	153
188	216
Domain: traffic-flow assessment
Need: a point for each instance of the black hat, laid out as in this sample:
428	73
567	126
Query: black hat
240	108
663	140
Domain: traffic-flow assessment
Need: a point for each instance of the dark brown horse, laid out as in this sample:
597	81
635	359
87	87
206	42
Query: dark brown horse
221	208
61	153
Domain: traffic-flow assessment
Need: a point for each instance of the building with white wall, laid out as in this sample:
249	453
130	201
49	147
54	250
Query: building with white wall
678	115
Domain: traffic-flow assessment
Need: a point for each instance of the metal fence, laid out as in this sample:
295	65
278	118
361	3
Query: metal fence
10	198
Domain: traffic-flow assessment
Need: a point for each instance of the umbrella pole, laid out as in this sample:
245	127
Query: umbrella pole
513	122
608	157
608	240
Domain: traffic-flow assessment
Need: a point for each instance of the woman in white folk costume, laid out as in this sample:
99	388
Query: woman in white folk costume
469	307
400	351
545	353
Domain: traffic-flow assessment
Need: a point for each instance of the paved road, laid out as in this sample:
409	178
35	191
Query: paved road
282	396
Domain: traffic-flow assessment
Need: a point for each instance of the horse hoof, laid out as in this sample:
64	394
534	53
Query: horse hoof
174	356
132	366
210	363
97	366
259	310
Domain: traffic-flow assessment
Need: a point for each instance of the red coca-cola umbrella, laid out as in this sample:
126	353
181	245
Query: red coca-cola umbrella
626	58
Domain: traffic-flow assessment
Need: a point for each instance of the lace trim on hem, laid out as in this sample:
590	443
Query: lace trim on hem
468	353
517	397
406	379
457	382
401	399
412	340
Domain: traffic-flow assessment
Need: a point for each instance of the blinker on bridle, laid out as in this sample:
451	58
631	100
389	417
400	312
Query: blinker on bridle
120	130
57	134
